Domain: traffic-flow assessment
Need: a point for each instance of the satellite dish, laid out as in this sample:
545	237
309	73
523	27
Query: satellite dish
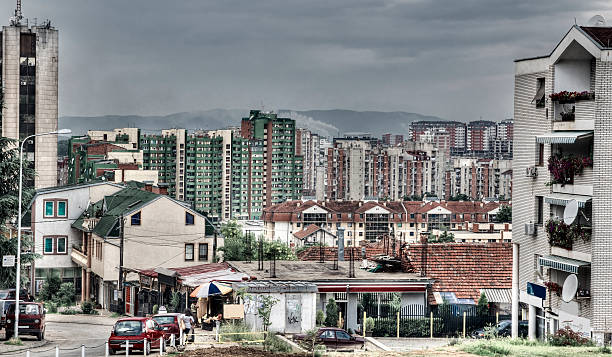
570	286
570	212
597	21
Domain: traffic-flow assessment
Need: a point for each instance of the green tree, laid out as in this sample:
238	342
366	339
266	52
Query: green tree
50	287
331	313
65	294
444	237
483	305
460	197
504	215
9	196
233	241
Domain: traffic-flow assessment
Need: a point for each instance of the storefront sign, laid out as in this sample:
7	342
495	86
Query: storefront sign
233	311
146	281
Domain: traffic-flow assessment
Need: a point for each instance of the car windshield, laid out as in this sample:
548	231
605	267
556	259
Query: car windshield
27	309
164	320
128	328
503	324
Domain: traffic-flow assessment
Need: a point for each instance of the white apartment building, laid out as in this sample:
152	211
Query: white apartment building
573	132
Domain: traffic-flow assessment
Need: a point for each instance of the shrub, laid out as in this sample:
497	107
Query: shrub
331	313
490	331
275	344
87	307
320	317
568	337
65	295
413	327
51	307
487	349
369	324
69	312
236	333
50	287
155	309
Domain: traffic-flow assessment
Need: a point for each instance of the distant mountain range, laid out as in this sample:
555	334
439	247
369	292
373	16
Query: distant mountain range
332	122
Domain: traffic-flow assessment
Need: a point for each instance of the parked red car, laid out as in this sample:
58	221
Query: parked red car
134	330
31	320
169	322
335	338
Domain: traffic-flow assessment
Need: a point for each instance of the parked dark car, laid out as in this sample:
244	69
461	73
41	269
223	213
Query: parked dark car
335	338
504	329
134	330
169	323
31	320
9	294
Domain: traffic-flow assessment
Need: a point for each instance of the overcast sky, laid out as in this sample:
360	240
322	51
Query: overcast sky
450	58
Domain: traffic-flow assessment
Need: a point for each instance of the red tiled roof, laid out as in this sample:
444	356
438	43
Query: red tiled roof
306	231
192	270
601	35
462	268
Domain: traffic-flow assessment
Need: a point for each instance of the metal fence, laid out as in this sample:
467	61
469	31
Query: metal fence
425	321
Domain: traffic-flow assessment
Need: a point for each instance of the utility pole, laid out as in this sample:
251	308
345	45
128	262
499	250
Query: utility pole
120	287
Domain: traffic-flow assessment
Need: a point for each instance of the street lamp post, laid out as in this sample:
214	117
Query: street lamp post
18	280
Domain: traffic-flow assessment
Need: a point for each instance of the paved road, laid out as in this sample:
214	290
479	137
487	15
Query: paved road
70	336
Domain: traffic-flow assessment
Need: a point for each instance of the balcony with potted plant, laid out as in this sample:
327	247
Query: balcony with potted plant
572	174
564	236
573	110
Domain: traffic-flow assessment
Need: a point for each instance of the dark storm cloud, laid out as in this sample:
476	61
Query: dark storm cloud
451	58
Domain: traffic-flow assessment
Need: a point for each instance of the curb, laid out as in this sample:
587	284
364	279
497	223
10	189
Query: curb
25	348
378	344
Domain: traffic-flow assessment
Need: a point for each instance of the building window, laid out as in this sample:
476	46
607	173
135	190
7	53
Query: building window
412	234
540	98
540	210
48	245
135	219
361	234
55	208
188	219
203	252
189	251
297	224
49	209
61	208
541	154
60	243
55	245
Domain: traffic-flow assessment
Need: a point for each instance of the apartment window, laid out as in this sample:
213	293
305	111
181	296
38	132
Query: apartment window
360	225
298	224
541	154
540	210
54	245
412	234
135	219
55	208
203	252
189	251
411	224
361	215
412	216
361	234
339	215
422	225
349	233
48	245
188	219
540	98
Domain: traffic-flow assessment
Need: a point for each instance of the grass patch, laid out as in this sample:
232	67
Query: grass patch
115	315
14	342
525	348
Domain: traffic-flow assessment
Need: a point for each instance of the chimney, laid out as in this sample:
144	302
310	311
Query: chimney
475	227
148	186
163	191
506	227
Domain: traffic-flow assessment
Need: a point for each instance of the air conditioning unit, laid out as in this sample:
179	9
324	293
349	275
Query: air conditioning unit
530	229
531	171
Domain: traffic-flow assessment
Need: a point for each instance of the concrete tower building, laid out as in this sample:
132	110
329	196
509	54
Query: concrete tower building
29	57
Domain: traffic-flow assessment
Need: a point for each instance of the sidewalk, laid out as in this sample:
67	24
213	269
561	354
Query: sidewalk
102	319
28	343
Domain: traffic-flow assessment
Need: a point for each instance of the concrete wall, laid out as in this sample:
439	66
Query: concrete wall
573	75
10	81
278	315
47	56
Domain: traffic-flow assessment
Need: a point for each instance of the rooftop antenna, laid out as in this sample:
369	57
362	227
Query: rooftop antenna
18	15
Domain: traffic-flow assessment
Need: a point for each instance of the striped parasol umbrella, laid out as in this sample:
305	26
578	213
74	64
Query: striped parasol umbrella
210	289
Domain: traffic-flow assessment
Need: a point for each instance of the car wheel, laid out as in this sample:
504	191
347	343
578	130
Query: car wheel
111	351
39	336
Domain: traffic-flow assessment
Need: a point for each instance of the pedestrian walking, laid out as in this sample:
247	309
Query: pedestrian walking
188	321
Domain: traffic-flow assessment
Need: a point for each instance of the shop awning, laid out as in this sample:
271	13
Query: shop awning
562	199
498	295
562	263
563	137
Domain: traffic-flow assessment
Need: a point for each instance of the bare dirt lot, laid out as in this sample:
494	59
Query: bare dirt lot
235	351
